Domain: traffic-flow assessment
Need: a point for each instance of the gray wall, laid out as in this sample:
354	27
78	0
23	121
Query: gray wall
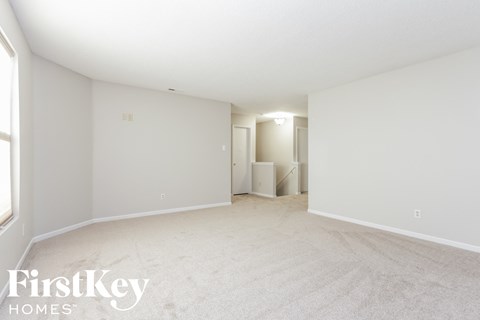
408	139
13	241
298	122
173	146
63	147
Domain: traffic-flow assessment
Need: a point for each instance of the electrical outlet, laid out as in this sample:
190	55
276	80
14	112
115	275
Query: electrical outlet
417	213
162	196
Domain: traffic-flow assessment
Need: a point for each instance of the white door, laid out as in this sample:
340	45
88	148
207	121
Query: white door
241	160
302	149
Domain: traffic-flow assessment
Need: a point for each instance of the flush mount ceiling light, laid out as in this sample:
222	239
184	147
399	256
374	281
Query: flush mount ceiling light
279	117
279	114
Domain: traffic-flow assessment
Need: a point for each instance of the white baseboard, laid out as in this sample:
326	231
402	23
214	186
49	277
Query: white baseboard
122	217
61	231
3	294
263	195
54	233
412	234
157	212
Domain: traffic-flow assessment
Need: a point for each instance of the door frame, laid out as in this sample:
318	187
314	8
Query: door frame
297	130
250	153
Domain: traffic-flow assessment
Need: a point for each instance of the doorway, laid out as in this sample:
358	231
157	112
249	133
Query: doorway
302	157
241	160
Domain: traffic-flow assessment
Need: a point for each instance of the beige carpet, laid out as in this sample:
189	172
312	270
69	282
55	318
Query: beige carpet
261	259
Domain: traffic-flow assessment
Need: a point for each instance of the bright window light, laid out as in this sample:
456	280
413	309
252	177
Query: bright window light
6	69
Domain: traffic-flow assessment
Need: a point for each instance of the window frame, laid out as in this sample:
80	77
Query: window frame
7	217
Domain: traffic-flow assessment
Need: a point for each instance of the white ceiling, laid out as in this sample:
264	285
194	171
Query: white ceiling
260	55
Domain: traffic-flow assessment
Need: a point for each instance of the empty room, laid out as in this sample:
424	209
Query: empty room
226	160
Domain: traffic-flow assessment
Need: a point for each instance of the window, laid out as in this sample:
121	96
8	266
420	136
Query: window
6	77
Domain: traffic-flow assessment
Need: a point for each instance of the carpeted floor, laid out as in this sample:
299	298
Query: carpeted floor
260	259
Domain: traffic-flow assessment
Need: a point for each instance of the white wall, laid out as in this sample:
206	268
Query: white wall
63	147
13	241
264	179
275	144
173	146
404	140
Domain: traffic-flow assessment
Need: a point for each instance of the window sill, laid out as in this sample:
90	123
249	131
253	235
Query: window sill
7	224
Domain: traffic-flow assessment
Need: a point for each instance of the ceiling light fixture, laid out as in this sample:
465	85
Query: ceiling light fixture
275	115
279	117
